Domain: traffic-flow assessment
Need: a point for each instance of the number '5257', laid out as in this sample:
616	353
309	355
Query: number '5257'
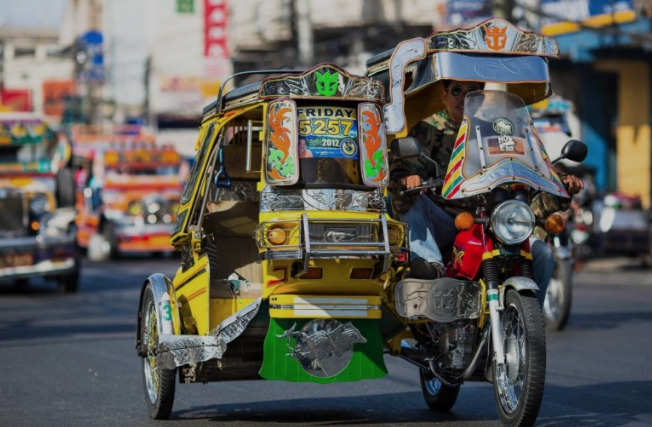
325	127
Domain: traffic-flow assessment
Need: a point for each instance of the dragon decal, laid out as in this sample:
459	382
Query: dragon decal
281	162
375	158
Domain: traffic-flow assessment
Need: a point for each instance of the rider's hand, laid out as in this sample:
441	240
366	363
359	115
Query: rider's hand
411	181
573	184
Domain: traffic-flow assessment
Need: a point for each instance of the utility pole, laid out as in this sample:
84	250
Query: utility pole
305	46
146	77
504	9
2	68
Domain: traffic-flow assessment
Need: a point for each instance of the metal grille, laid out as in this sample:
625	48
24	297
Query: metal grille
335	233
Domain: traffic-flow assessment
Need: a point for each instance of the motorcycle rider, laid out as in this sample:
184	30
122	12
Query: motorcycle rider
430	217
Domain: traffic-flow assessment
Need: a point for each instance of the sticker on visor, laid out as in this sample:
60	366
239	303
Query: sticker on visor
328	132
505	144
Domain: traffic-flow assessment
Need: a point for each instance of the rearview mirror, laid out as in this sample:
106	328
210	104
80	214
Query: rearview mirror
406	148
573	150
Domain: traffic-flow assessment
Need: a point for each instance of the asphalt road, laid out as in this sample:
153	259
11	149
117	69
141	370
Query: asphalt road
70	361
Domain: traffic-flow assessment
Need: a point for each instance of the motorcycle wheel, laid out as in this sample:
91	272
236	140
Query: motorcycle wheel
559	297
438	396
519	383
159	383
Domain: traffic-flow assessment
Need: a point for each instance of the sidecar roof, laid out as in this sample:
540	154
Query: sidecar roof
493	51
301	85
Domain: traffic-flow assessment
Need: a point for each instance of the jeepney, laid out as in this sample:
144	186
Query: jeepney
37	214
128	190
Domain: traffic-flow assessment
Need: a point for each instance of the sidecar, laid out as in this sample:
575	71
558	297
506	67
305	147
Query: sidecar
286	247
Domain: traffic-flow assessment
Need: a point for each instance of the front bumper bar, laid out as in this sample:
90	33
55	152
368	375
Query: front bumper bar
51	255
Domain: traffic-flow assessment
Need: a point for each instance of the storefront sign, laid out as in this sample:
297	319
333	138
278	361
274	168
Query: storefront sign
592	13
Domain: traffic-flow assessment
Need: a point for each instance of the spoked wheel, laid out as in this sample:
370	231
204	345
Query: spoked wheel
439	396
559	297
159	383
519	383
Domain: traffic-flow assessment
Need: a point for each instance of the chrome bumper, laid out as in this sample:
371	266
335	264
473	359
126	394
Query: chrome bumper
44	261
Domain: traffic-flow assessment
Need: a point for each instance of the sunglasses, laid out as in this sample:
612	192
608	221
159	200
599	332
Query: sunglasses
458	91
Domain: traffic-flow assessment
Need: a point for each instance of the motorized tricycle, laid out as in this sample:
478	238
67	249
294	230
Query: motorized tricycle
292	269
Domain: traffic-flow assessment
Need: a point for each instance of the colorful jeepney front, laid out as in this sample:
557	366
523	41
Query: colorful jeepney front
128	188
36	232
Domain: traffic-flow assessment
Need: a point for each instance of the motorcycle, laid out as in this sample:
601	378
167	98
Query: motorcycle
482	321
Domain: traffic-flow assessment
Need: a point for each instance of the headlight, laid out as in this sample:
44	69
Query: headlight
135	209
39	204
512	222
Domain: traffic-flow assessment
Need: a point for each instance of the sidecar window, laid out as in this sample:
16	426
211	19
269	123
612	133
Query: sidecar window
197	165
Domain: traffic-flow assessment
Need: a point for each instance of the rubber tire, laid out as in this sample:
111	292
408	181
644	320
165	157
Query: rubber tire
161	408
65	188
111	237
22	283
527	409
69	283
441	401
563	273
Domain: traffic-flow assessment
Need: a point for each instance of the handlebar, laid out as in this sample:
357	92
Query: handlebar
429	184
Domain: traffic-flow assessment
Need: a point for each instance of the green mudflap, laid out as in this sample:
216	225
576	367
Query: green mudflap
367	361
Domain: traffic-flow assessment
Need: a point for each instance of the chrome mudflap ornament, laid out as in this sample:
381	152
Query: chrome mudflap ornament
179	350
442	300
324	347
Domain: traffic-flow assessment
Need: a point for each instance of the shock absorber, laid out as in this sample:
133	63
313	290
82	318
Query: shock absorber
490	273
527	270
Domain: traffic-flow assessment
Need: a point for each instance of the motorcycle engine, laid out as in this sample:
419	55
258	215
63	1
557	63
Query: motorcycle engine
455	342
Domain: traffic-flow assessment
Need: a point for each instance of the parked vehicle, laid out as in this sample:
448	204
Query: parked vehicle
321	291
624	227
37	214
128	190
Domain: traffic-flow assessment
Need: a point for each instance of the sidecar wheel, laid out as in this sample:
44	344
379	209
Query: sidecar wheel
159	384
559	297
519	383
438	396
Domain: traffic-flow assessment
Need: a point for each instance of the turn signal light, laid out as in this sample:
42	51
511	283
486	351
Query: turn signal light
313	273
277	235
394	236
464	221
555	224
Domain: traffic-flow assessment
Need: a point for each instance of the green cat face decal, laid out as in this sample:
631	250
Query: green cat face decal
327	83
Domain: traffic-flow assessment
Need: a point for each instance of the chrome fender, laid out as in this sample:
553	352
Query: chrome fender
518	283
163	294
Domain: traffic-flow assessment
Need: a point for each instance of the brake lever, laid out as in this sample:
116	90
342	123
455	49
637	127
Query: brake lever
430	184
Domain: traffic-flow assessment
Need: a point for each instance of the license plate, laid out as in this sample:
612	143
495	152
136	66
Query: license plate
16	260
